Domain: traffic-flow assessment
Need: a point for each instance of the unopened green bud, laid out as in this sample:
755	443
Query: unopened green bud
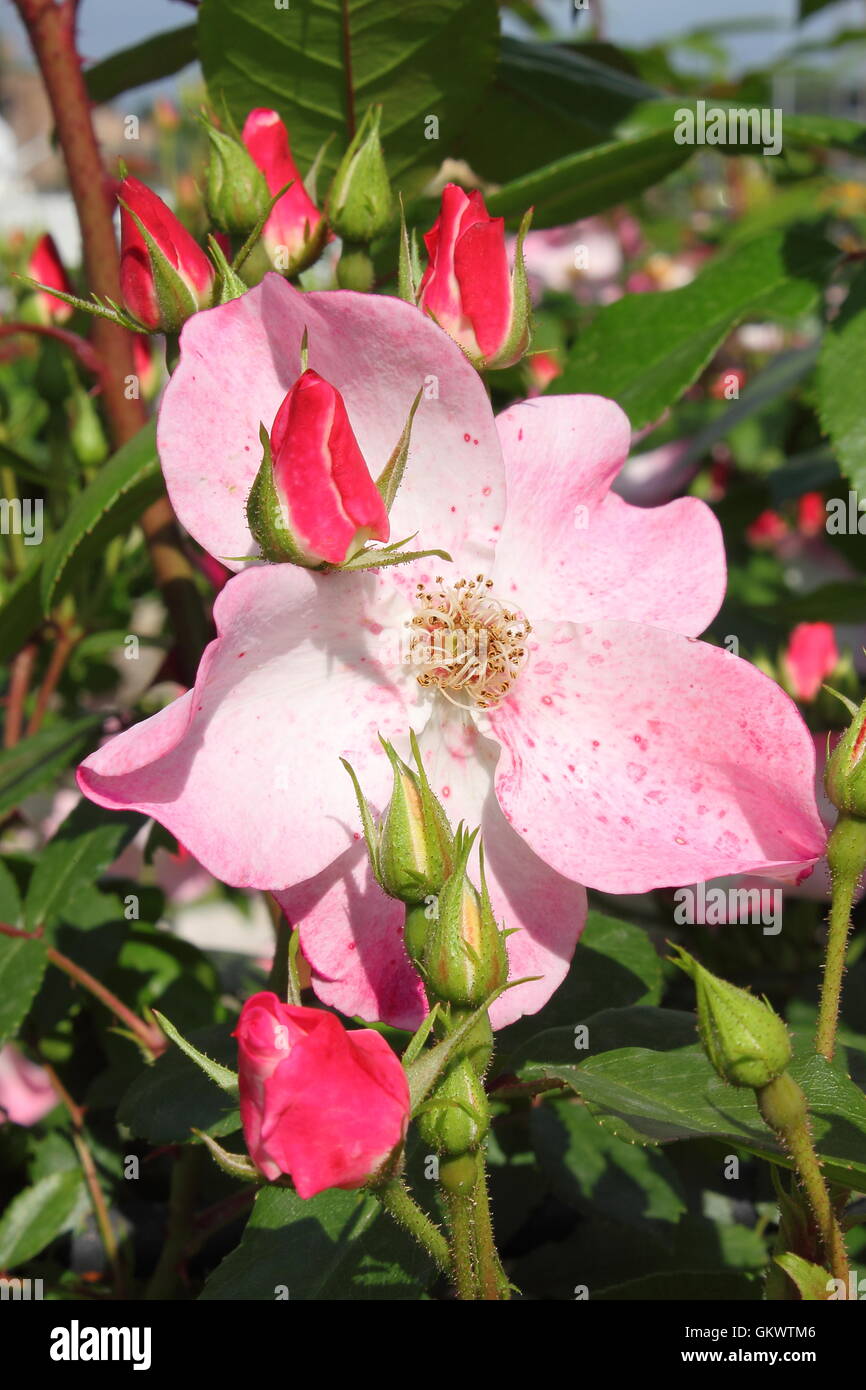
457	1117
416	846
235	189
464	957
845	775
746	1041
360	201
412	848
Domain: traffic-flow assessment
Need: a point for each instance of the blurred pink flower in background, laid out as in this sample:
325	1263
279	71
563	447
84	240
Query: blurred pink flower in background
26	1092
811	656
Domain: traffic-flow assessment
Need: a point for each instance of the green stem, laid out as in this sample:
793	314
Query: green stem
463	1251
396	1200
492	1277
16	541
181	1223
783	1106
846	855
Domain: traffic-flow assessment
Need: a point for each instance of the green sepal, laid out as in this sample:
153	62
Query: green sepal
109	310
229	285
425	1069
812	1281
520	335
311	182
409	262
224	1078
391	476
265	514
236	1165
176	301
368	824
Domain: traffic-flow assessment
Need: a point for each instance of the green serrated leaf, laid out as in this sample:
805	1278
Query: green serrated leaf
645	350
22	965
42	757
415	58
338	1245
86	843
173	1096
37	1216
109	505
149	61
840	366
223	1077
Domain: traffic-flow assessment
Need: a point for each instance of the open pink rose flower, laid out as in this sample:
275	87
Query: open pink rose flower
590	735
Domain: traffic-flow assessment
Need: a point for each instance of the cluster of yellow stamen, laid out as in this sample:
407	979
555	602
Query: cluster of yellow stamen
466	641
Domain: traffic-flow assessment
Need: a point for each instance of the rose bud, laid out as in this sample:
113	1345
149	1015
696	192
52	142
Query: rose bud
314	501
459	1116
845	773
46	266
236	192
324	1105
295	231
165	277
360	202
746	1041
464	954
467	287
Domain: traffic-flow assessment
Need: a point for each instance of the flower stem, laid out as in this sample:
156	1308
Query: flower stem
91	1177
19	685
51	30
151	1038
181	1223
458	1177
396	1200
464	1256
783	1106
492	1277
846	855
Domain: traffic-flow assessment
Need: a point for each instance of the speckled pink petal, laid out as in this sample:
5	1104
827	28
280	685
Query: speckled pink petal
351	933
237	363
635	758
572	549
245	770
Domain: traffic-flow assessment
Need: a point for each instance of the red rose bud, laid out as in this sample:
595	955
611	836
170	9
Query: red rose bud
295	231
464	955
325	1106
314	501
46	266
165	277
467	287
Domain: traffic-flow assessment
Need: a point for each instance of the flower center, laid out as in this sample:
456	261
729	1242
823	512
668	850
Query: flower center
467	642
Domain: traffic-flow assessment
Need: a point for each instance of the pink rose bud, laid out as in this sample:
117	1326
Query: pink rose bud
314	501
467	287
46	266
164	274
326	1106
295	231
